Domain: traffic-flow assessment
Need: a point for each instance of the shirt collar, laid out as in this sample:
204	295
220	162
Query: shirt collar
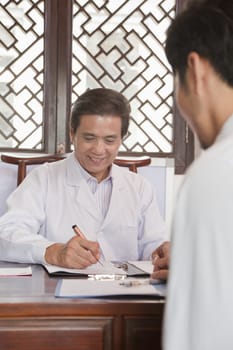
226	130
88	177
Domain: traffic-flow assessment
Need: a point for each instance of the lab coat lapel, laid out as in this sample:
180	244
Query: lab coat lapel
84	199
116	197
80	192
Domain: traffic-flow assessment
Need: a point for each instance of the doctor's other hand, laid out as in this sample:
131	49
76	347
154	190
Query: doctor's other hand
76	253
160	260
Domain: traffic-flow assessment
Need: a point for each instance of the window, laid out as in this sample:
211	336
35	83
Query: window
53	50
21	74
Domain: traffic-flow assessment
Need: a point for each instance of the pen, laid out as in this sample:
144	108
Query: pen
135	283
79	233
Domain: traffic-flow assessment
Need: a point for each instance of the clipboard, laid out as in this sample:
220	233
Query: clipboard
109	268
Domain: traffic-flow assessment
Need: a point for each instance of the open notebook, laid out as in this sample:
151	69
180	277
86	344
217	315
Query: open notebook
127	268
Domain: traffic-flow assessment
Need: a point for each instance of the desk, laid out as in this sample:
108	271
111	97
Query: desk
32	318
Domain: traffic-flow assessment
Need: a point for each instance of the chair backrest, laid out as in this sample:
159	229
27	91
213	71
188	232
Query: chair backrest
133	163
23	161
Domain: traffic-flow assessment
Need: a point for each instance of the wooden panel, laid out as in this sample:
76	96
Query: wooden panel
56	333
32	318
143	333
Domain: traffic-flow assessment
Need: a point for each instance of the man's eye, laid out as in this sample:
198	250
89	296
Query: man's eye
110	140
89	138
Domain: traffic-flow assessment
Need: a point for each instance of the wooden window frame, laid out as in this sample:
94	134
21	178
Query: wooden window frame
58	87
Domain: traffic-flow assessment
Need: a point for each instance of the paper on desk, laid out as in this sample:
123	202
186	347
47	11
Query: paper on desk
145	265
15	271
84	288
107	268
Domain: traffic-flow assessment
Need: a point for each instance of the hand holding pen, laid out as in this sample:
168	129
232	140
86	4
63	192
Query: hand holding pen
77	253
80	234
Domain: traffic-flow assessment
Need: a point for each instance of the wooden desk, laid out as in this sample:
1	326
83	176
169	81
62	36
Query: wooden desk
32	318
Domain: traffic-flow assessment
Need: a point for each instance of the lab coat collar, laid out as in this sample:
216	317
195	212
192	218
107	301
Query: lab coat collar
75	177
82	193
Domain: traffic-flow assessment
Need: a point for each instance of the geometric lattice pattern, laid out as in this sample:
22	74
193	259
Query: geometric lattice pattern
21	73
119	44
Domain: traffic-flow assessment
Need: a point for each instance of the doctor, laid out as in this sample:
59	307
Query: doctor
116	210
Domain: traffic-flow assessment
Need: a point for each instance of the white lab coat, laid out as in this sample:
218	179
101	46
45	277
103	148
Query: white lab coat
199	307
54	196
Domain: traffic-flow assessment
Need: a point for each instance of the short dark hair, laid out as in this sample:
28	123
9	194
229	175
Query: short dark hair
101	101
206	28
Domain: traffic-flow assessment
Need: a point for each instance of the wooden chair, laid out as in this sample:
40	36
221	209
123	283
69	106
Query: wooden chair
133	163
23	161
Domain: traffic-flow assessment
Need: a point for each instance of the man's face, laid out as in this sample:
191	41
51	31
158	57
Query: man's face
96	143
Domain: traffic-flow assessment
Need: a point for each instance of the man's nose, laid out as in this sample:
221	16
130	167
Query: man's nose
99	146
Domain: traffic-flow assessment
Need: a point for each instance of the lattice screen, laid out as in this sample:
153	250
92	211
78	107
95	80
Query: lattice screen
21	73
116	44
119	44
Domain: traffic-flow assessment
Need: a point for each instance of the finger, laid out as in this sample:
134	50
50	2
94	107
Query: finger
155	254
166	248
154	259
161	263
160	274
90	250
77	256
87	256
94	250
158	253
91	246
72	258
80	263
163	250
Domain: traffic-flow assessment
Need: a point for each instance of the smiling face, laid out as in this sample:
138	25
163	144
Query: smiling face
96	143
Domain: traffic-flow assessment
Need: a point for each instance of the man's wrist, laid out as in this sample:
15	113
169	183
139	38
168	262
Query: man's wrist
52	253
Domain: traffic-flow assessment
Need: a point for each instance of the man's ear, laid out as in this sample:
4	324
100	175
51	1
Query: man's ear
196	72
71	136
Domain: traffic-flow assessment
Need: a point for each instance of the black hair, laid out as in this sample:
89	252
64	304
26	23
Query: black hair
206	28
101	101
